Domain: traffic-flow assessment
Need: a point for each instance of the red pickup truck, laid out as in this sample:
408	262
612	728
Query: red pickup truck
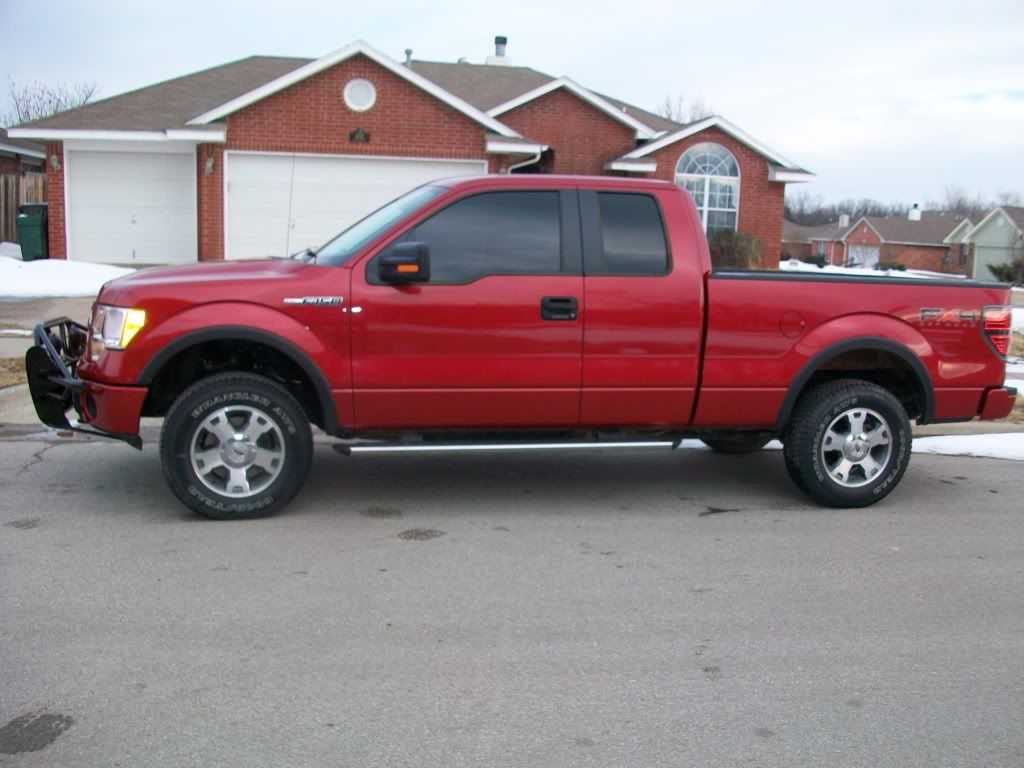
520	312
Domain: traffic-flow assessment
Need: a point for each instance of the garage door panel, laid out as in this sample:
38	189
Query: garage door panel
280	204
131	207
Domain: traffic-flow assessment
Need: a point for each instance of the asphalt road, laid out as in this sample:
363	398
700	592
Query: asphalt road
615	609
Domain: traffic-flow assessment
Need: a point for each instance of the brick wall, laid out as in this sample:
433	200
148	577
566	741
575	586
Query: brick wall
932	258
311	116
10	164
761	201
55	197
582	138
863	235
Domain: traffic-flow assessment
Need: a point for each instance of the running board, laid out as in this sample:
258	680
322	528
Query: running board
349	449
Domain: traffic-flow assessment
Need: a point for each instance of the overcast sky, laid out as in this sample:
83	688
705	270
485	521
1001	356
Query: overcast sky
892	100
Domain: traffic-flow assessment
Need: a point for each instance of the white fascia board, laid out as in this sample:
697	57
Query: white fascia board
642	131
21	151
983	223
948	239
632	166
69	134
715	121
514	147
340	55
789	177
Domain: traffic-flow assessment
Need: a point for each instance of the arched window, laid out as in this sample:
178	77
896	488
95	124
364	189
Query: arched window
711	174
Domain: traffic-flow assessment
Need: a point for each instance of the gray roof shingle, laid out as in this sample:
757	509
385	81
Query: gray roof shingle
932	229
172	103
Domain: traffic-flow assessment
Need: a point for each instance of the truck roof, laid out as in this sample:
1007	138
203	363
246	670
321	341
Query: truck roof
550	181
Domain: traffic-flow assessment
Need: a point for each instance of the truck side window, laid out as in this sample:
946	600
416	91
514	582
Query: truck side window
493	233
632	235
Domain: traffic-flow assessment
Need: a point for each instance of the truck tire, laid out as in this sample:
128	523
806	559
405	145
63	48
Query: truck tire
848	443
736	444
236	446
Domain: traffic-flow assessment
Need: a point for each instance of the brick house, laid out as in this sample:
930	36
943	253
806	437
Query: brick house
926	240
18	156
267	156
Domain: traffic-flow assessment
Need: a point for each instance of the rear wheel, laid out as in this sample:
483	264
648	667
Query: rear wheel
236	446
848	443
736	444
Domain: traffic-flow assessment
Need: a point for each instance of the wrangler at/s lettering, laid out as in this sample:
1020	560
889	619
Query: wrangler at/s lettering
524	312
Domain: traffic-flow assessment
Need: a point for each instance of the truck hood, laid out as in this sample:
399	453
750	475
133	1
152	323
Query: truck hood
198	283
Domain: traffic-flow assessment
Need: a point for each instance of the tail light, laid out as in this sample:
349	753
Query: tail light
996	325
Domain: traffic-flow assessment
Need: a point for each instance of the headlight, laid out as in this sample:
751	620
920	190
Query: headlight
114	328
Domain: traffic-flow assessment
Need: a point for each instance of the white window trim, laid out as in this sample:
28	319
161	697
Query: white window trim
703	210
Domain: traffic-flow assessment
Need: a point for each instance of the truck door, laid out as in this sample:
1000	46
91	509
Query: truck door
643	312
494	339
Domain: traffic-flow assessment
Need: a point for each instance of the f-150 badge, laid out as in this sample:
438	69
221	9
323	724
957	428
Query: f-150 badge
318	301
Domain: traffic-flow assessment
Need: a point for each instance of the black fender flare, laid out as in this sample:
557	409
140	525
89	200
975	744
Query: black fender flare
244	333
860	343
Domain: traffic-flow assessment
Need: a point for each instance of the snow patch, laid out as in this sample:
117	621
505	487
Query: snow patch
795	265
1018	319
1008	446
10	251
53	278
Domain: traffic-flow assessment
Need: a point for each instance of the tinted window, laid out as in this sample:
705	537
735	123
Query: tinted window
632	235
497	233
344	246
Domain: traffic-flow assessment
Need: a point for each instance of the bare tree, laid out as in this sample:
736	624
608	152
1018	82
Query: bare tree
35	100
678	110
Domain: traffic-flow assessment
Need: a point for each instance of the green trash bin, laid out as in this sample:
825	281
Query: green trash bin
32	235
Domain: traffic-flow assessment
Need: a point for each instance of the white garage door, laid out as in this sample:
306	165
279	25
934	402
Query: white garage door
131	207
279	204
865	256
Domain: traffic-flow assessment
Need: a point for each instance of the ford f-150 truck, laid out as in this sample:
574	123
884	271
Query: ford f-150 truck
520	312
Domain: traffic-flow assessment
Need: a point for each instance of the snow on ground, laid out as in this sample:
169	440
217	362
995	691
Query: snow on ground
999	446
1018	319
10	250
52	278
1007	446
794	265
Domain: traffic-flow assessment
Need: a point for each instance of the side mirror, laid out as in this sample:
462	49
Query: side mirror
405	263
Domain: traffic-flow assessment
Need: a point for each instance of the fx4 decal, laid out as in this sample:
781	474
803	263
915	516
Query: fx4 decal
933	317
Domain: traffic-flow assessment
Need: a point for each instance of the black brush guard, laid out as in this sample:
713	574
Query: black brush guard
50	366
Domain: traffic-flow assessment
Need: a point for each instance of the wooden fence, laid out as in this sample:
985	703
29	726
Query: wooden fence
18	189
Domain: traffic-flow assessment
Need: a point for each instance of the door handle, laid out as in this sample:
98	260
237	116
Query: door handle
558	308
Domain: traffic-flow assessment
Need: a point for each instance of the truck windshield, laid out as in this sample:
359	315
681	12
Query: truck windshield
347	244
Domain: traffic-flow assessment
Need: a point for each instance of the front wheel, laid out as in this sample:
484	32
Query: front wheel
236	446
848	443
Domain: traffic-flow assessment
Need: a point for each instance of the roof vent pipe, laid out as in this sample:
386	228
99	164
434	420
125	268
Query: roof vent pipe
914	214
499	51
408	57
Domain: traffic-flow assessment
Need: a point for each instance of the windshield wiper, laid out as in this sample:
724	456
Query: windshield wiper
306	254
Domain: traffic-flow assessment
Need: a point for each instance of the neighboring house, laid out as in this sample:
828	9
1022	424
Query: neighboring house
266	156
998	239
822	242
925	240
19	156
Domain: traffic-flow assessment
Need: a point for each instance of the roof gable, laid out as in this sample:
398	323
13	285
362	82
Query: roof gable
1013	214
338	56
642	131
715	121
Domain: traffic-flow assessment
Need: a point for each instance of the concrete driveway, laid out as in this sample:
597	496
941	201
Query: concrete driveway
615	609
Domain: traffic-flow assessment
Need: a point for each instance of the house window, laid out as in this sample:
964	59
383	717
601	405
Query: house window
711	174
821	247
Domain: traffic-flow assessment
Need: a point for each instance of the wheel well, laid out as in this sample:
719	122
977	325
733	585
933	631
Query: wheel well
207	358
887	369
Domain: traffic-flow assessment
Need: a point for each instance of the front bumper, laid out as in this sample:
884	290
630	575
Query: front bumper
50	364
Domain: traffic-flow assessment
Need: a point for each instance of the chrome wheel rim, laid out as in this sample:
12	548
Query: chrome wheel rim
237	451
856	447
